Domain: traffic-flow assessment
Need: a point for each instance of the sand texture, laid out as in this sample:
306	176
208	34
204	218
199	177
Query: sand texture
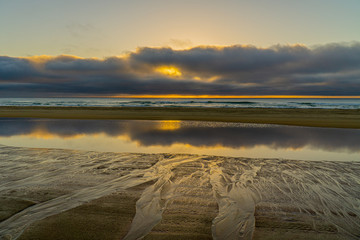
66	194
339	118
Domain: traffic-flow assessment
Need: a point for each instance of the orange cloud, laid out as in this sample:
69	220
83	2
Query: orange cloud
169	71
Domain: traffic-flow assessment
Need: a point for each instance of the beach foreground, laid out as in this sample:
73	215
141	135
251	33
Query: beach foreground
67	194
336	118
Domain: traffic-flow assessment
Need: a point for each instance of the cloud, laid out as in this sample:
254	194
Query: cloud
331	69
72	64
15	69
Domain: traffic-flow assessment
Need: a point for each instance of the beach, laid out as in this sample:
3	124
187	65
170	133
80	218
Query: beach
179	120
66	194
57	193
334	118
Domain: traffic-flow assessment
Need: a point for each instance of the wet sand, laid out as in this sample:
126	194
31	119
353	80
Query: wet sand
337	118
62	194
107	218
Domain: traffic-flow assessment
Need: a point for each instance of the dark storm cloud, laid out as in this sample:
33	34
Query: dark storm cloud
214	60
332	69
248	59
15	69
83	66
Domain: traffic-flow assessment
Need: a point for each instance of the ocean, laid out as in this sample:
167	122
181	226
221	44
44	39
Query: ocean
326	103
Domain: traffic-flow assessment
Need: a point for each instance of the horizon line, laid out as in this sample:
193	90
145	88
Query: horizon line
225	96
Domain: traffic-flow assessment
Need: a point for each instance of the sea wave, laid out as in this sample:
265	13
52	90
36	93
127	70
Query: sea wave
220	103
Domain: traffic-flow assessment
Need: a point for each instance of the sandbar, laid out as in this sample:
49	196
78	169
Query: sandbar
333	118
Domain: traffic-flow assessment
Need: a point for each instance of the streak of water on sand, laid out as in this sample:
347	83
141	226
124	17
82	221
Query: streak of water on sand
150	206
326	192
236	202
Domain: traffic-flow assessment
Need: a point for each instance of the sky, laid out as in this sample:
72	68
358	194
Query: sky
157	47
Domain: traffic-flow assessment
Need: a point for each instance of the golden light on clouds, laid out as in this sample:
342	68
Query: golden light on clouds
169	71
46	58
40	60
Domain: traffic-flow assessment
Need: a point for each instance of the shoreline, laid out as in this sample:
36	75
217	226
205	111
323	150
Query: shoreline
315	117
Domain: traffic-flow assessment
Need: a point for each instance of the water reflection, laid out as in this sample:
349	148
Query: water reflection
191	134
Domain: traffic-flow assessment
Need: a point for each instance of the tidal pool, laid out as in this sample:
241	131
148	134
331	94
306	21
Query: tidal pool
91	179
210	138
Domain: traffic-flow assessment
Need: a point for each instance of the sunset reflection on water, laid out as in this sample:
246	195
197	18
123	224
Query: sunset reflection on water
210	138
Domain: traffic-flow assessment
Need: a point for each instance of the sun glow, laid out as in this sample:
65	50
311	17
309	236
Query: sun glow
225	96
169	125
169	70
